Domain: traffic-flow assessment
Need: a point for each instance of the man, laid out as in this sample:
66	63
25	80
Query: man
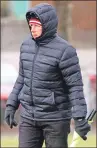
49	86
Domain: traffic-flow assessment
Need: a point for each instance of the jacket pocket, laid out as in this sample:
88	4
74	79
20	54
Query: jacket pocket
46	104
49	100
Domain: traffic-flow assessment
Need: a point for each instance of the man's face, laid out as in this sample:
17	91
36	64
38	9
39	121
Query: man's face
36	30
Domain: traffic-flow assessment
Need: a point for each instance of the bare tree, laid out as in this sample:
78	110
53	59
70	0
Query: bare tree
63	14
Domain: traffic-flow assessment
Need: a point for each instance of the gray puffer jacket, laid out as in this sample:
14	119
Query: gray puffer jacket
49	85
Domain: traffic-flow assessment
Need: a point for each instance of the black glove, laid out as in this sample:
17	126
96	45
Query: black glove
82	128
9	116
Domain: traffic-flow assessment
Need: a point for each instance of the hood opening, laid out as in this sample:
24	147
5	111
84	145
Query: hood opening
48	18
30	15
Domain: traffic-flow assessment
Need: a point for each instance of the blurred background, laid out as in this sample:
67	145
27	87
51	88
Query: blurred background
77	24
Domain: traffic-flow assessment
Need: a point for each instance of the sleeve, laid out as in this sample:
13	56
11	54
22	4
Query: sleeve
13	97
71	72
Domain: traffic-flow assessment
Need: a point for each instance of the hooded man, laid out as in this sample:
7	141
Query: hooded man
49	86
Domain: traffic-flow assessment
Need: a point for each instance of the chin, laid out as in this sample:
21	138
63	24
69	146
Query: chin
34	37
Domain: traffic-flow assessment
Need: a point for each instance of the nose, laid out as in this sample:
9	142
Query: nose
32	28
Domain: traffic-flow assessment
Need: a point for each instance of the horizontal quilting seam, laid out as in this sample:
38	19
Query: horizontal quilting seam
77	81
80	104
47	64
26	86
27	70
45	89
28	52
50	56
79	90
45	12
50	72
51	20
26	94
36	87
52	48
74	73
27	60
67	59
16	88
48	81
77	98
69	67
19	82
27	77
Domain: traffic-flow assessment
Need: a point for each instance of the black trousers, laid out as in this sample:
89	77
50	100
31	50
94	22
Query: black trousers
33	133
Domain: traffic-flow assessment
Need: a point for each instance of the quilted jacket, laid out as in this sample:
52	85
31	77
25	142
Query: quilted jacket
49	85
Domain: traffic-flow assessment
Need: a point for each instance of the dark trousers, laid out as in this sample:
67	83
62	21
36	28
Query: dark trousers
33	133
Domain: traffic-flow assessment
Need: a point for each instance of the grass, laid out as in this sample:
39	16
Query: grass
12	141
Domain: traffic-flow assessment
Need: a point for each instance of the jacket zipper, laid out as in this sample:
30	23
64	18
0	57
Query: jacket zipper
33	69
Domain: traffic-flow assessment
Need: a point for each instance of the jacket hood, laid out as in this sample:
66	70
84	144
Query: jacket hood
48	17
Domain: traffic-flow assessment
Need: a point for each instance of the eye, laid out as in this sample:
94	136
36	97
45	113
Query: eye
36	25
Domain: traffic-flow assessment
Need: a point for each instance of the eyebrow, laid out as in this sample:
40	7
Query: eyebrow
35	24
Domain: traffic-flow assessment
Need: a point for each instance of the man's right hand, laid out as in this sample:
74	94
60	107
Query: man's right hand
9	116
82	128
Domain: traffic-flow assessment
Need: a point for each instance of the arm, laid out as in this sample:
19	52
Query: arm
13	97
69	65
